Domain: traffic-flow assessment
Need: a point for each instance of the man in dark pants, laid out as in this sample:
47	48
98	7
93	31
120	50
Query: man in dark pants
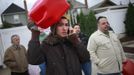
106	50
86	67
15	57
61	50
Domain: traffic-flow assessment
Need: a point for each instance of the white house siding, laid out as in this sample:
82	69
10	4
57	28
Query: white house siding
23	19
10	18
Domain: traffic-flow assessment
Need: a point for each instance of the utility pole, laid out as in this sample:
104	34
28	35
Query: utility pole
26	10
25	6
86	4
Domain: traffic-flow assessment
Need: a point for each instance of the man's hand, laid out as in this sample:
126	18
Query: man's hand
31	25
74	39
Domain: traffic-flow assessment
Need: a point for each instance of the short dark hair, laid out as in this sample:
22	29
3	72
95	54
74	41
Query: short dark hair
76	24
100	18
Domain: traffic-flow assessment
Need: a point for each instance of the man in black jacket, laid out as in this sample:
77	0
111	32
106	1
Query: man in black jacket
86	67
62	52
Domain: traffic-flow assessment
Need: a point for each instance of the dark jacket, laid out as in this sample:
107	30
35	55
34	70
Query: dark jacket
61	57
84	41
83	38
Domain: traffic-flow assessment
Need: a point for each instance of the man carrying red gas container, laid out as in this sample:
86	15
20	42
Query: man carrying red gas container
62	51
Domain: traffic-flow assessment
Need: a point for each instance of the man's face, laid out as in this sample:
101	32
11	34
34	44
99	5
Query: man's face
62	28
103	25
76	29
16	40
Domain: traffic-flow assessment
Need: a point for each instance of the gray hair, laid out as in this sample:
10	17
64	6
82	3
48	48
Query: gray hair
15	35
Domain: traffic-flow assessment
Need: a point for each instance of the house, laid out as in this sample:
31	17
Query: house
76	8
14	15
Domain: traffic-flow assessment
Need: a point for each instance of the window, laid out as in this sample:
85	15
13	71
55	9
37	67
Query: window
16	19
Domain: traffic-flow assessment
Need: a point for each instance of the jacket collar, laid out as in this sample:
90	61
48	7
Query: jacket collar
16	47
101	33
53	39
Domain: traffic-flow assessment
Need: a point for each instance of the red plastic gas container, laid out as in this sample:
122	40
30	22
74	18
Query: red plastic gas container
128	67
46	12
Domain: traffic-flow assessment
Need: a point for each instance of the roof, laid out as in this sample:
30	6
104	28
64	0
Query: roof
13	8
102	9
107	3
103	3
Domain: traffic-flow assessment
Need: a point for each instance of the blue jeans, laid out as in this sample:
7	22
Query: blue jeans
43	68
110	74
86	67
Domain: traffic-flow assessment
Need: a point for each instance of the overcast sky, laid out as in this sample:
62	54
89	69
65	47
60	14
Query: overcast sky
31	2
4	3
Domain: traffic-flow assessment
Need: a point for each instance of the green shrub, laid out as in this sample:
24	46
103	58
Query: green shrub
129	20
88	22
